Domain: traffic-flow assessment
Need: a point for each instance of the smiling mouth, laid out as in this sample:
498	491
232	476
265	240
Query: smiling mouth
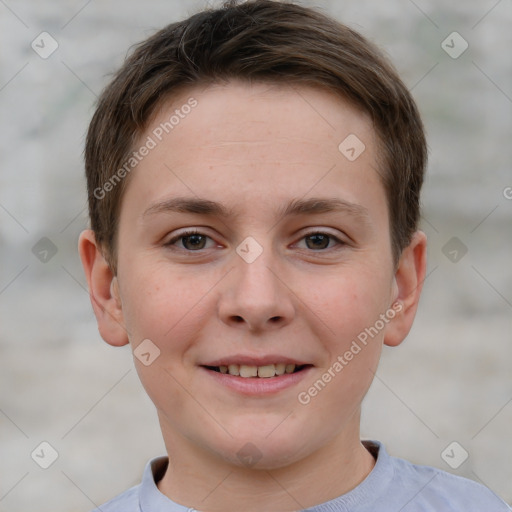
265	372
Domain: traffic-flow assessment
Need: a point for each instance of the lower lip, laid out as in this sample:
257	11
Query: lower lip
254	386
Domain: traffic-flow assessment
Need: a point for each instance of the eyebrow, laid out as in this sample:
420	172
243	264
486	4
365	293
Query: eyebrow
196	205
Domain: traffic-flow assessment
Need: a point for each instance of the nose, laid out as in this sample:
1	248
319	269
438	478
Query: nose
255	297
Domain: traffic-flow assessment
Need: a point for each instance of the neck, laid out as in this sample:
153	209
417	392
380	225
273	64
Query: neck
209	483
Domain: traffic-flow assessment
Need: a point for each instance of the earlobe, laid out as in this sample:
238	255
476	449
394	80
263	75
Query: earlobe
103	290
408	283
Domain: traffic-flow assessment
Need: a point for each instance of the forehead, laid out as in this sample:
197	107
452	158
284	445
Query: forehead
240	117
240	140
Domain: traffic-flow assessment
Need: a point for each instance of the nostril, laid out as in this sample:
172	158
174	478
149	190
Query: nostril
237	319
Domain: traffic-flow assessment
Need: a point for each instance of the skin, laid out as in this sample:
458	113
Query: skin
254	149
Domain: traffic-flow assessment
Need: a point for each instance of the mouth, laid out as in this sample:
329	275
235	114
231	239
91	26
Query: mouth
256	376
266	371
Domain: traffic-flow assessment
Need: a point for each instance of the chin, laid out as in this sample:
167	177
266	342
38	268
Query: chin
254	451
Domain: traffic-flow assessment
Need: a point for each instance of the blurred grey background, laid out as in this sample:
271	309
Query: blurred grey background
59	383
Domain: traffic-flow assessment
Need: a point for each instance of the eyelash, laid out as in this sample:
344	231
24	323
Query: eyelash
185	234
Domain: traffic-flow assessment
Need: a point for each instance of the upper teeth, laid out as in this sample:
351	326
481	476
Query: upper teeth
269	370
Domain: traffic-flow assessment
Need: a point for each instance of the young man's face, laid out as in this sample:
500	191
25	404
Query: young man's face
249	239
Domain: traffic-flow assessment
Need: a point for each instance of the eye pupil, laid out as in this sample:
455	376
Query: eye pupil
317	241
194	241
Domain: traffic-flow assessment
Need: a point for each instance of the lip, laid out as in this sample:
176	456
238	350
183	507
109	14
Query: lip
254	361
257	386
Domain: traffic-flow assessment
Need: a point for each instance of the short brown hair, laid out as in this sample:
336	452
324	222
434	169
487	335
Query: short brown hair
262	41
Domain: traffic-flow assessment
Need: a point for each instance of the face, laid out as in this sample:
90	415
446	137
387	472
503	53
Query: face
254	254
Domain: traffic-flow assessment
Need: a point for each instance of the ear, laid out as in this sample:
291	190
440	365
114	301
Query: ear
408	282
103	291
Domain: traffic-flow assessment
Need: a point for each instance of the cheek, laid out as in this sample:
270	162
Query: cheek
353	309
167	310
163	306
348	304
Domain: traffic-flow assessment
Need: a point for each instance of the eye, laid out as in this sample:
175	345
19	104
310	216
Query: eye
191	241
319	241
196	241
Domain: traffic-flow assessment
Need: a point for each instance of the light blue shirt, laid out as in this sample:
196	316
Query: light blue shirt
394	485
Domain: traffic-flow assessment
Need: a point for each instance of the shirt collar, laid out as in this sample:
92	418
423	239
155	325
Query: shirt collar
368	491
150	498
